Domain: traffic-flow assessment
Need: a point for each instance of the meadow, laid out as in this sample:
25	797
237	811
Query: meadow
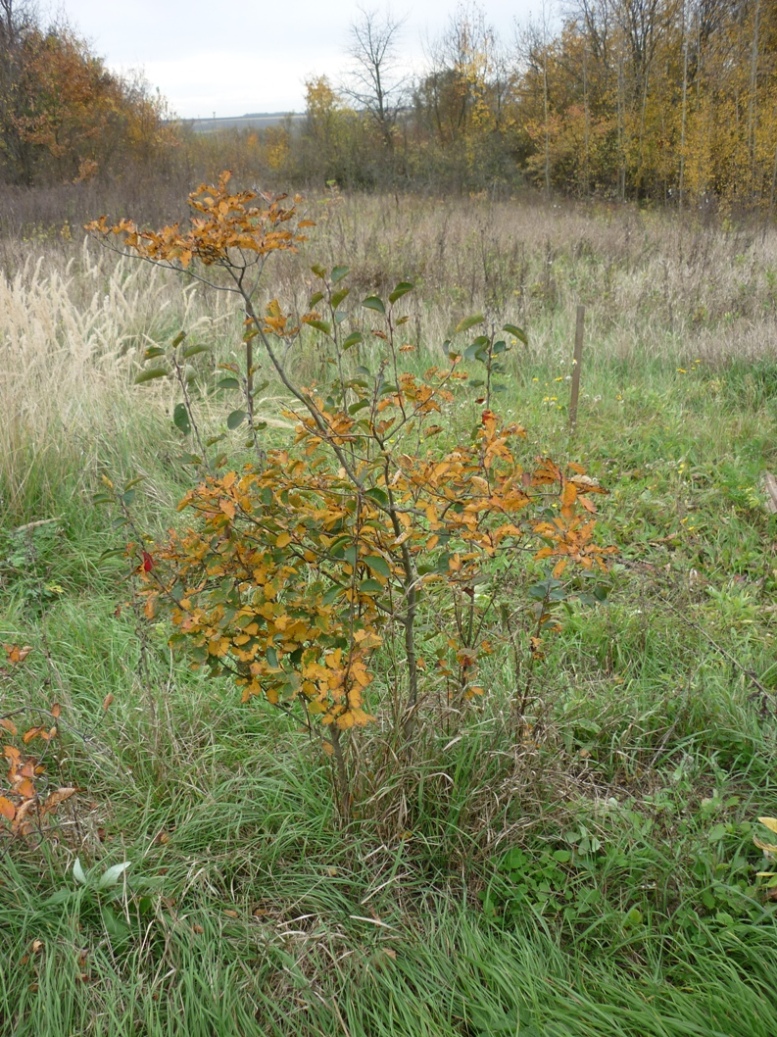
597	877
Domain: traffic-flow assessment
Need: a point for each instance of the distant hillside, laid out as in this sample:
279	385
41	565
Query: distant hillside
253	121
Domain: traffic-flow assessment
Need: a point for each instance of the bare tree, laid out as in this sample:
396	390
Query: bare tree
376	84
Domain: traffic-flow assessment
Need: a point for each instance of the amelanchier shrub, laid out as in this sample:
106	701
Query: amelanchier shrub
375	556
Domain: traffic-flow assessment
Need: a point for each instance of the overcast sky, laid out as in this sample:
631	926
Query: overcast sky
256	56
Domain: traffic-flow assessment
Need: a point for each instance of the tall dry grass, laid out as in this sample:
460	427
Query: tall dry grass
73	326
75	319
659	283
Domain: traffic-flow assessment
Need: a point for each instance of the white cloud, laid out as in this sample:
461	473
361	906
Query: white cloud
255	57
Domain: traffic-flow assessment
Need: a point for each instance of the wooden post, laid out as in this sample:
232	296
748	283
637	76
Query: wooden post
577	362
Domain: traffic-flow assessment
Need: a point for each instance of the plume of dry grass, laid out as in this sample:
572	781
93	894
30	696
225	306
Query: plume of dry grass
72	329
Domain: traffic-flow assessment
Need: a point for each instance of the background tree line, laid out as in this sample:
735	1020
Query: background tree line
666	101
63	116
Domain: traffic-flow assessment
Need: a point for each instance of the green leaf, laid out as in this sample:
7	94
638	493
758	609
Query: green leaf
78	872
372	302
516	332
338	273
111	876
377	564
337	297
320	325
153	352
272	657
401	289
112	552
315	299
194	350
115	925
150	373
354	339
181	419
469	322
178	339
551	588
370	587
332	594
236	418
319	271
377	495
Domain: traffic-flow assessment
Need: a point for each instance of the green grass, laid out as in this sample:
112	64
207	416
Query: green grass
596	878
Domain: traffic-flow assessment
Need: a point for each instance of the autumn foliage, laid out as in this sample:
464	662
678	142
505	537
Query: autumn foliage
26	802
367	561
63	116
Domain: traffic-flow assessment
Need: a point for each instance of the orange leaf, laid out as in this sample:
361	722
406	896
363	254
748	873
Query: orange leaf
17	653
559	567
7	809
568	495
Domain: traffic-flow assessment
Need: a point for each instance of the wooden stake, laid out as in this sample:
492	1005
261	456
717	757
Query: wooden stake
576	364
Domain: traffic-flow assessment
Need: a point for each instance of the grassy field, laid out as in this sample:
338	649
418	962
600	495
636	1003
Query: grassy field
597	879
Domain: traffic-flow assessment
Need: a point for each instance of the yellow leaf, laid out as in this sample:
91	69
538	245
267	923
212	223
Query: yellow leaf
770	823
283	540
